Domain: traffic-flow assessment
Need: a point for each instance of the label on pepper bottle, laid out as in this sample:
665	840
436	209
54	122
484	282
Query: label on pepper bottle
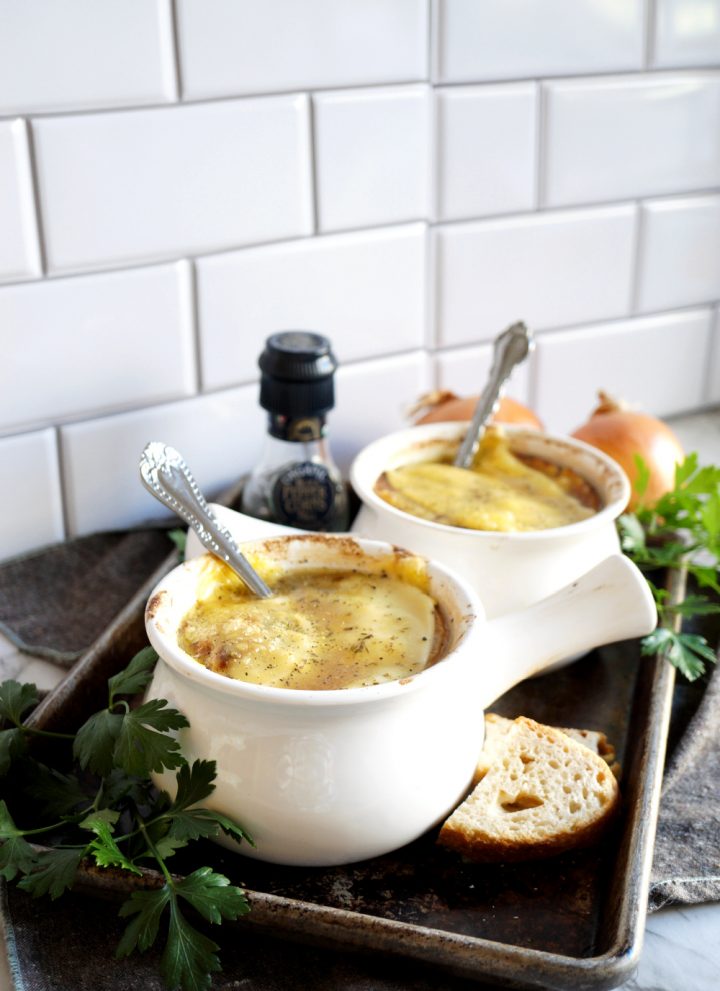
303	495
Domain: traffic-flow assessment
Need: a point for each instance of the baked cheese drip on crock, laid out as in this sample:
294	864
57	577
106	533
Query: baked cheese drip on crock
320	630
502	491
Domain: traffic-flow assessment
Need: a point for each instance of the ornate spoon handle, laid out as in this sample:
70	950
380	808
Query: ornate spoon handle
168	478
511	347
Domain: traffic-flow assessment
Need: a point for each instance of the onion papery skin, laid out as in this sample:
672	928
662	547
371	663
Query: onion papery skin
622	434
462	408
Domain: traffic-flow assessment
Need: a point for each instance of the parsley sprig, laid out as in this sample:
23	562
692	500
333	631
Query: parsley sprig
681	530
107	811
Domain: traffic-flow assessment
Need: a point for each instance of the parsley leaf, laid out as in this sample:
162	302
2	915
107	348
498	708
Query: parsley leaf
193	784
680	531
94	744
642	478
12	745
179	538
117	749
212	895
632	535
695	605
15	700
134	741
686	651
189	957
16	854
57	794
54	872
104	848
141	932
194	823
166	846
136	675
142	743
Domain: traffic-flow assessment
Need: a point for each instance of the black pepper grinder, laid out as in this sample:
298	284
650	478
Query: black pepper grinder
296	481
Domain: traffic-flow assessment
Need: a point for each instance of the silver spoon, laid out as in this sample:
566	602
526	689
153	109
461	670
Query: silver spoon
168	478
511	347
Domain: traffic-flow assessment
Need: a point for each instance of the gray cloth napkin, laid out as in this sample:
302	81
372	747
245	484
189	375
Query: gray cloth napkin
55	602
686	864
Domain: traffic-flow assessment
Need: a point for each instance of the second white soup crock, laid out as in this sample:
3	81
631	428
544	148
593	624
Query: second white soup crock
507	570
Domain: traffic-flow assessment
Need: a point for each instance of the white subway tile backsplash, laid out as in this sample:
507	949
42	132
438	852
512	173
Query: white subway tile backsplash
573	365
30	501
465	371
231	47
547	269
687	32
505	39
149	184
218	435
372	398
365	291
405	177
485	147
372	156
19	248
680	253
94	343
82	54
631	136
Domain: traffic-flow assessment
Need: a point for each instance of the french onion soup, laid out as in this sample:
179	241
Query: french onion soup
322	629
503	491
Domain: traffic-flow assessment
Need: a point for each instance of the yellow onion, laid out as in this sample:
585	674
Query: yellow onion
622	433
442	406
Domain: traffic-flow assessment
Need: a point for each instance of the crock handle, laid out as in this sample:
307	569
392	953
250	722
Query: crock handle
611	602
241	527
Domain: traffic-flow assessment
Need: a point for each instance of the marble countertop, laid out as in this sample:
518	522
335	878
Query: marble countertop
681	950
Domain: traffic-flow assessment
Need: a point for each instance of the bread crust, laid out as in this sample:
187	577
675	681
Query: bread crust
543	793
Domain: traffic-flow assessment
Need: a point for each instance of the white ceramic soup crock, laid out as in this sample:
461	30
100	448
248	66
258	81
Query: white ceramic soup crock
331	777
508	570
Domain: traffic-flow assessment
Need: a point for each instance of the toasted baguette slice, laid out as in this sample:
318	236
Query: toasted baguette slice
544	793
496	727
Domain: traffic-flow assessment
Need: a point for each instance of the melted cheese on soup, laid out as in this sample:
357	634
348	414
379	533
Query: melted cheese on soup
501	492
319	630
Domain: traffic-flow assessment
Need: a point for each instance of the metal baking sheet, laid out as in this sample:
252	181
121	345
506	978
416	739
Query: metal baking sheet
574	922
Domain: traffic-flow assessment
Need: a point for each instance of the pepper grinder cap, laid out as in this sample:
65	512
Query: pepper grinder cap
297	374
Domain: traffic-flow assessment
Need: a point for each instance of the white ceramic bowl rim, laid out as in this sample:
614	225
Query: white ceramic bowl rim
169	651
452	429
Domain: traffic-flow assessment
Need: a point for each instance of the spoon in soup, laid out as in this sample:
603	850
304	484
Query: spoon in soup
166	476
511	347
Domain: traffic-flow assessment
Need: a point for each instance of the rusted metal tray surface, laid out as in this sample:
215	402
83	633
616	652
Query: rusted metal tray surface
574	922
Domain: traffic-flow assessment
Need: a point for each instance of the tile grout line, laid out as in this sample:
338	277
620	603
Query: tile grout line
185	102
64	482
637	256
313	166
430	299
35	184
712	355
711	68
434	42
117	267
541	146
175	49
434	178
649	36
194	314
